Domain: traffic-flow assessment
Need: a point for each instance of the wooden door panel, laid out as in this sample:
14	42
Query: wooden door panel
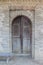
26	46
26	36
16	36
16	45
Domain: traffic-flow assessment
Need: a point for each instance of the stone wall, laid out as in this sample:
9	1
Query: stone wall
4	30
24	4
39	33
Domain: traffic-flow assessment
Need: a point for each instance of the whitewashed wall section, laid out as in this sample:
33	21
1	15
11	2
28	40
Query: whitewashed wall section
4	31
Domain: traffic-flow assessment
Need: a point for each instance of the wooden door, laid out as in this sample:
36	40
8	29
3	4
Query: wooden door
21	35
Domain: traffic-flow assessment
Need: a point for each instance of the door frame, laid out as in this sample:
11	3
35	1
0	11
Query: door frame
30	14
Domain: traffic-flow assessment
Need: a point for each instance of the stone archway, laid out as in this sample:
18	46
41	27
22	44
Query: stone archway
30	15
22	35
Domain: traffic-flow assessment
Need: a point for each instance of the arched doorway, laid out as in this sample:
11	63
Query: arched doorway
21	35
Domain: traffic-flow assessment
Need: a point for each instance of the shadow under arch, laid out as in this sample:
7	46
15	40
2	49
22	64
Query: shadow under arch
15	20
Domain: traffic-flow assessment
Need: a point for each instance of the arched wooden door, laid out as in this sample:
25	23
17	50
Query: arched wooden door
21	35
